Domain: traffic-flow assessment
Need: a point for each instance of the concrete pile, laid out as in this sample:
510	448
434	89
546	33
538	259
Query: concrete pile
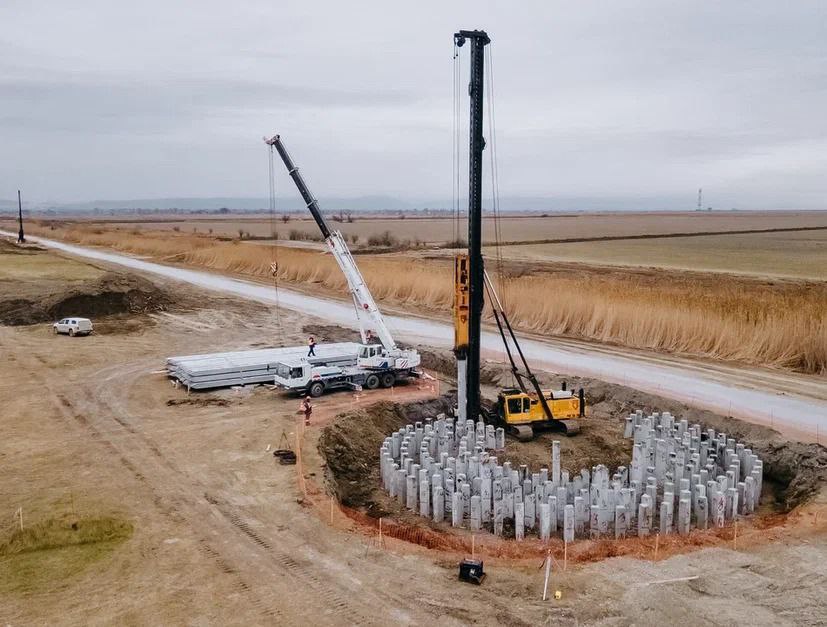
679	477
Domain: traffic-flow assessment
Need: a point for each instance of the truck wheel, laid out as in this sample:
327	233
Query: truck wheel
388	379
316	389
55	330
372	382
71	333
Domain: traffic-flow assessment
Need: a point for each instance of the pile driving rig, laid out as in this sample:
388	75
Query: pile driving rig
520	410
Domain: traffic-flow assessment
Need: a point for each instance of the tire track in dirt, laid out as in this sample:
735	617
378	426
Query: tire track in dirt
72	417
120	378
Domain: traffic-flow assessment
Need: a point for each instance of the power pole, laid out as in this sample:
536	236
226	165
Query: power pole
20	238
478	39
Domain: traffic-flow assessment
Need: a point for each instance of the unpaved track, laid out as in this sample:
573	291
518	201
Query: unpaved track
286	567
794	404
277	560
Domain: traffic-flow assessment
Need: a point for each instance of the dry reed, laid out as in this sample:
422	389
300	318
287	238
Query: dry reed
781	324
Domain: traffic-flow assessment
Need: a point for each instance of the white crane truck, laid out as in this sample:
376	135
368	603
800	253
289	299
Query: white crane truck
377	364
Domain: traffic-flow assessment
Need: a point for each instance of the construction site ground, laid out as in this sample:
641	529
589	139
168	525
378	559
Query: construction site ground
223	533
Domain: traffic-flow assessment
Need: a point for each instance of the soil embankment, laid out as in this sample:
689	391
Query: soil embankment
111	294
350	446
39	286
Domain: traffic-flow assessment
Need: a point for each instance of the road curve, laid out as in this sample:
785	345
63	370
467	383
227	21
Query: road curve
794	404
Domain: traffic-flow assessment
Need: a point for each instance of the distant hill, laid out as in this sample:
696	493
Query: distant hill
362	203
369	203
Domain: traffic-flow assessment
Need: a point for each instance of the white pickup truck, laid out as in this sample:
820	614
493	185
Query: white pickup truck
73	326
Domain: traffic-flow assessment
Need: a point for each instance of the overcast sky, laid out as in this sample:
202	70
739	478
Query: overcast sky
614	100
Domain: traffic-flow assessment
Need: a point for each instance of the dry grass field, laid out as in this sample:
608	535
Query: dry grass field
781	323
514	228
801	254
18	266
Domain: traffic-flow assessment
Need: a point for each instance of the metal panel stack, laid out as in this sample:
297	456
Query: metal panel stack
217	370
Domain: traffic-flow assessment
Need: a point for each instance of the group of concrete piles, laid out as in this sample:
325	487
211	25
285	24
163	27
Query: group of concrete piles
445	470
679	476
682	476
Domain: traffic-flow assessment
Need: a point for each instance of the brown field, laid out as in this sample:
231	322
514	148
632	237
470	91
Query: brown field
778	323
513	228
801	254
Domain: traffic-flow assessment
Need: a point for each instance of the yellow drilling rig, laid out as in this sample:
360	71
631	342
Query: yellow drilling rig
527	408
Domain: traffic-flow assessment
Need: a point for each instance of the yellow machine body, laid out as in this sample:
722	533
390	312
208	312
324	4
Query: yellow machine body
461	302
522	408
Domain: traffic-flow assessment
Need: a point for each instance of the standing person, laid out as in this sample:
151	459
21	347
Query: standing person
307	409
311	343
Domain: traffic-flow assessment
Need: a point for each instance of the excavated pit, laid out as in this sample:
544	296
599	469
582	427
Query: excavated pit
794	472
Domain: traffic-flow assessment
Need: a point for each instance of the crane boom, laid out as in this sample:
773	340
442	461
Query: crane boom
368	314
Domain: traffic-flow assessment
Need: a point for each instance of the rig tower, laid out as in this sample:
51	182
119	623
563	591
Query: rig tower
477	39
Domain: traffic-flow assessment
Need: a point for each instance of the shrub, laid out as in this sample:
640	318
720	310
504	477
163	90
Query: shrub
385	240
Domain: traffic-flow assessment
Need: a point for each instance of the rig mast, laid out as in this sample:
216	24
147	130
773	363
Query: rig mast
477	39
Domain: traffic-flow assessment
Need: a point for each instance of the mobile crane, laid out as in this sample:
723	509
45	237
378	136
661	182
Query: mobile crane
376	364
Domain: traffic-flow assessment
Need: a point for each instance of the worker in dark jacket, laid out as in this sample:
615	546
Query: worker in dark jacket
311	344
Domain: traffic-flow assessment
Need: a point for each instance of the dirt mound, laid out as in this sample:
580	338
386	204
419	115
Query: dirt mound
198	402
799	470
330	333
111	294
350	446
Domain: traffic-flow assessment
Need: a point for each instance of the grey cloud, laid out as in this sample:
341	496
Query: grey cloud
622	101
100	106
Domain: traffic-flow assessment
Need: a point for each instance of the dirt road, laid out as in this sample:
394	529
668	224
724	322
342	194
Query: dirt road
793	404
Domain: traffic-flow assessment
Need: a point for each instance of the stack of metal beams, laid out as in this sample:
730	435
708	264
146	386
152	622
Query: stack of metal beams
217	370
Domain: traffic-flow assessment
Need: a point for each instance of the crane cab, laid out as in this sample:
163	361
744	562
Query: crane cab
377	357
373	356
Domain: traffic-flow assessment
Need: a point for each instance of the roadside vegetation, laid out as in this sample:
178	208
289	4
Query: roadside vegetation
52	552
758	321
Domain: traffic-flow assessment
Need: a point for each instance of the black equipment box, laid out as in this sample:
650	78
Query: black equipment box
471	571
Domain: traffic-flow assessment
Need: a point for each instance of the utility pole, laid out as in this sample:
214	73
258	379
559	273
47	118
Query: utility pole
477	39
20	238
